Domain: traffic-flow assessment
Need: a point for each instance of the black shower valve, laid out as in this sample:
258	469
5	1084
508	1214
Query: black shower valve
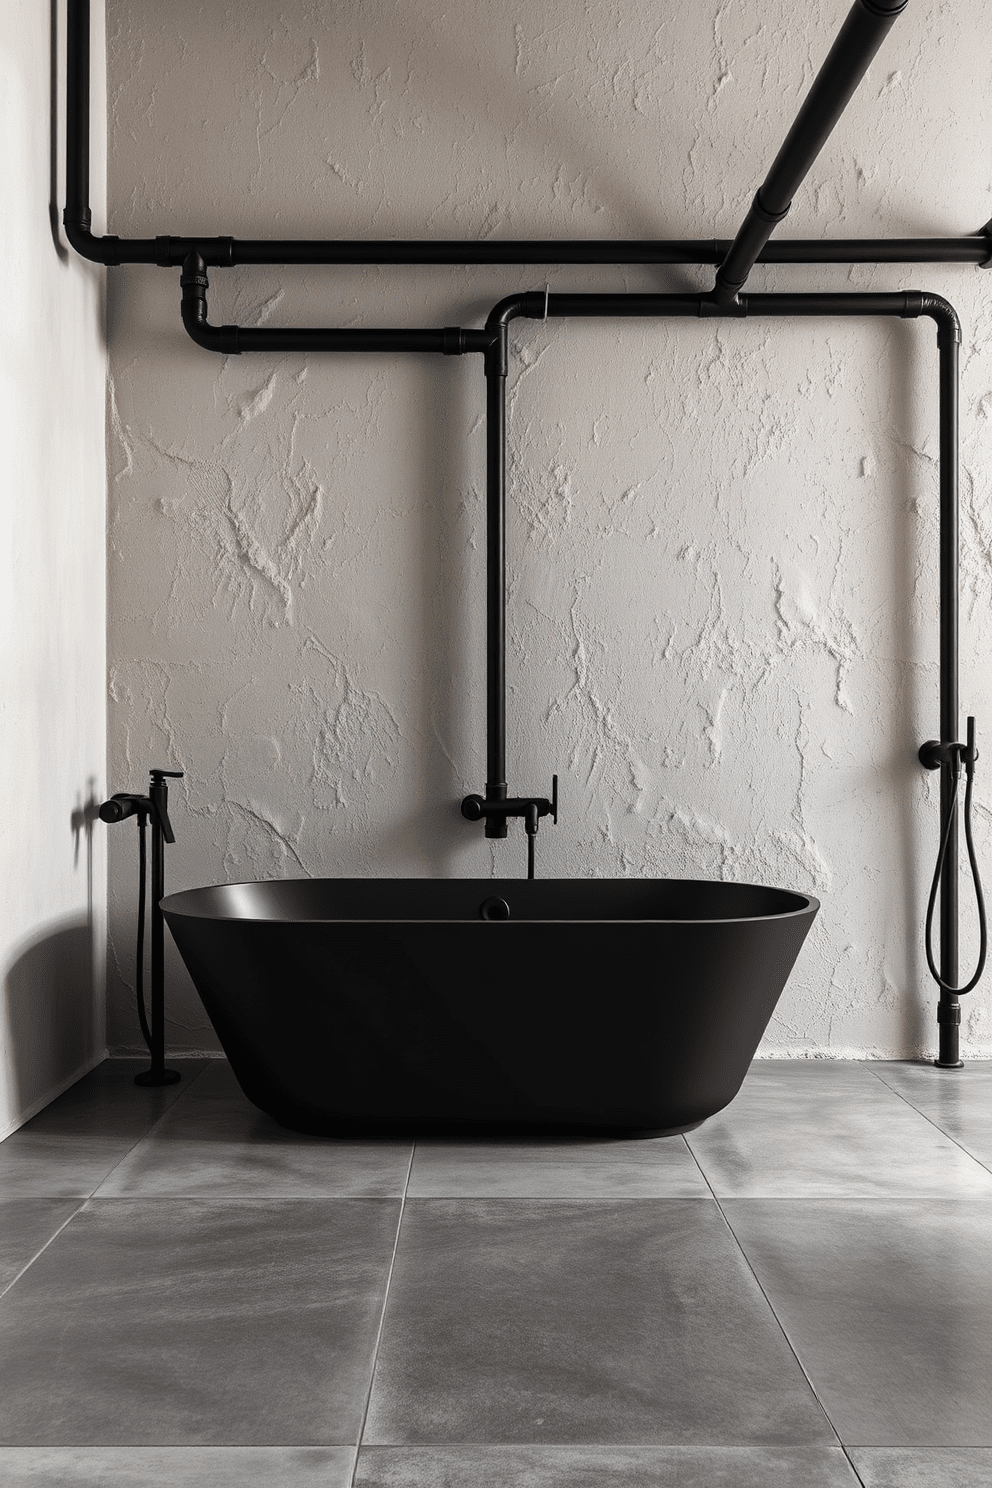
933	753
498	809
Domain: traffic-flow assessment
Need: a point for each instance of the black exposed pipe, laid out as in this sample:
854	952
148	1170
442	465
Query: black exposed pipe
906	304
848	60
496	585
232	340
949	1007
863	31
224	252
77	216
492	344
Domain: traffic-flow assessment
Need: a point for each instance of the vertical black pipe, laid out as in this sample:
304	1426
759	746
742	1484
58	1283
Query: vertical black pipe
158	795
158	947
496	580
949	1008
77	115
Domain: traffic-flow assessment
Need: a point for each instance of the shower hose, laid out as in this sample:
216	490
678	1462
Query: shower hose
970	756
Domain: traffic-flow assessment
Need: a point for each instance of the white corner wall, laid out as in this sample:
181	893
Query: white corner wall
722	628
52	594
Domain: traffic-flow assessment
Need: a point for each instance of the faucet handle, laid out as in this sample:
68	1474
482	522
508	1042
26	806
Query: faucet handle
159	793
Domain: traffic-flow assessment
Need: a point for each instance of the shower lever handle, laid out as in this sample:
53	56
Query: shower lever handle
158	794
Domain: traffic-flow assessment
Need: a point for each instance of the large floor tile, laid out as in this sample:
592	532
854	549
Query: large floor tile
176	1467
71	1146
660	1167
958	1101
26	1225
922	1467
176	1322
603	1467
888	1304
586	1322
216	1144
823	1128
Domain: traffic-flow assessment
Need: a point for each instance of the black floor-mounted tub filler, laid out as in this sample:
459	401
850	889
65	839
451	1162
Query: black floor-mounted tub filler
578	1006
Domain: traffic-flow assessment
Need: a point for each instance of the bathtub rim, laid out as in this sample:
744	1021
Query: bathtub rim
182	902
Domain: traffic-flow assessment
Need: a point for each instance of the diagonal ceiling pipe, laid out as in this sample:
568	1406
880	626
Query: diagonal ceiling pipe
848	60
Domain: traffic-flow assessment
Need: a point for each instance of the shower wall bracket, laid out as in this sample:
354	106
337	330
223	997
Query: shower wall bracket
861	34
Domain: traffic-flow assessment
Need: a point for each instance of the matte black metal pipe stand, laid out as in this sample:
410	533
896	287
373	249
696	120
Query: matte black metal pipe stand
156	807
170	251
909	304
949	1006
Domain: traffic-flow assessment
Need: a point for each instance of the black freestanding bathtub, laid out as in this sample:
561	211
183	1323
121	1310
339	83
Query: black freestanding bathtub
372	1006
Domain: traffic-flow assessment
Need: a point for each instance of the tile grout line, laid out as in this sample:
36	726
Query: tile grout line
950	1137
144	1136
85	1198
850	1461
27	1266
768	1301
382	1315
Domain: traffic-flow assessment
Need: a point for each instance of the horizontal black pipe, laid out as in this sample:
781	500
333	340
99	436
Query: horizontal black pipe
906	303
225	252
537	305
864	30
232	340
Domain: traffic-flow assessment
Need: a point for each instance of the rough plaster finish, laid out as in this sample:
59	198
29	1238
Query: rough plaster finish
52	597
722	625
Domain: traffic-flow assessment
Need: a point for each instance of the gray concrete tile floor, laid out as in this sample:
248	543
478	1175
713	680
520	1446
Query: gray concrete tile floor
798	1292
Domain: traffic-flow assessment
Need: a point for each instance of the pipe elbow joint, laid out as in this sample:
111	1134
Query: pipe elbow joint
78	234
194	283
224	339
939	310
532	305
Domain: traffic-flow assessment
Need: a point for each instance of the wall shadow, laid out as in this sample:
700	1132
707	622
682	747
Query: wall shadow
50	992
48	996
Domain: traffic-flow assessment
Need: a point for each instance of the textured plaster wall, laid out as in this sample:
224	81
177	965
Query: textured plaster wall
52	592
722	625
